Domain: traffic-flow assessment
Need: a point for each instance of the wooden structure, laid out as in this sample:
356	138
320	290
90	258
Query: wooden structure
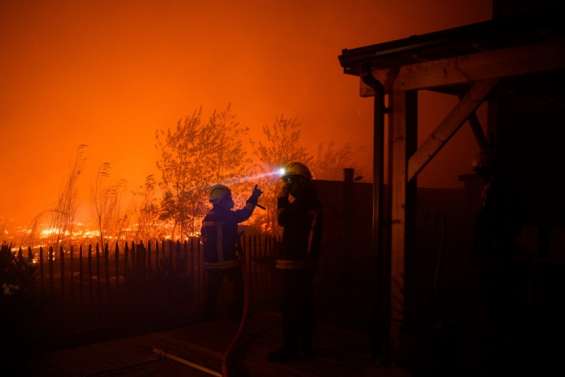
472	62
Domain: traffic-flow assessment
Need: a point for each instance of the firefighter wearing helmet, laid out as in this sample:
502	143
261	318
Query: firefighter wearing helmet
301	219
220	238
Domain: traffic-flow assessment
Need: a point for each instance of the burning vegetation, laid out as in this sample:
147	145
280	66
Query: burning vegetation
199	151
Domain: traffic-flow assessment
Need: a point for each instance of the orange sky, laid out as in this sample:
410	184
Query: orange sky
109	73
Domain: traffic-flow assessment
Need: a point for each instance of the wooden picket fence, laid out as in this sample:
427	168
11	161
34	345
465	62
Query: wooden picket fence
89	273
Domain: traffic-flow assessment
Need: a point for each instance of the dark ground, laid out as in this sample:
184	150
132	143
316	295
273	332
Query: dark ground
340	353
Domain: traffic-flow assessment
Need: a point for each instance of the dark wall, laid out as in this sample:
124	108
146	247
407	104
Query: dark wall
347	279
525	8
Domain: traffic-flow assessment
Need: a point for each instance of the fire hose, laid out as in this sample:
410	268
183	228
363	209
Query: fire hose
227	359
228	354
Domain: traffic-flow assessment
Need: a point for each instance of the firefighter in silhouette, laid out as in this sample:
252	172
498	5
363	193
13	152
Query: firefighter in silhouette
221	245
299	213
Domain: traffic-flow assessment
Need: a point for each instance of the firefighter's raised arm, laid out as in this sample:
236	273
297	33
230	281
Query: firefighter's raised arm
246	212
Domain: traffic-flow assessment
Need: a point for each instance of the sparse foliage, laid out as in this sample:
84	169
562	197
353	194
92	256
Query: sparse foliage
60	219
111	218
330	160
281	144
194	155
148	213
64	213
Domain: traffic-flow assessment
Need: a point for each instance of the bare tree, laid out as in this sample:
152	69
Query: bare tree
148	211
194	155
110	217
330	160
60	219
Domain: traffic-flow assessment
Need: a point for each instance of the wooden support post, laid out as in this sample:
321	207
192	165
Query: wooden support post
404	133
377	227
449	126
478	132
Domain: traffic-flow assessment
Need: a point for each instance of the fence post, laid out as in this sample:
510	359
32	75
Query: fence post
262	269
51	276
247	263
157	262
126	252
134	252
192	271
184	257
107	269
140	258
80	277
200	285
253	240
117	264
41	270
62	267
71	273
29	255
269	251
20	255
164	256
149	267
176	263
90	272
98	271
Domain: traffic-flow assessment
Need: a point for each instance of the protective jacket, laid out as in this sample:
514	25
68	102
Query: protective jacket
220	236
302	224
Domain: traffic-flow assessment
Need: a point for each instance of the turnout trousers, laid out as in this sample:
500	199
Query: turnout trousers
216	281
297	310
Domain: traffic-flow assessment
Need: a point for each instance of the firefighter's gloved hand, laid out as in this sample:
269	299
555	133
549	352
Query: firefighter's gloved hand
284	191
254	198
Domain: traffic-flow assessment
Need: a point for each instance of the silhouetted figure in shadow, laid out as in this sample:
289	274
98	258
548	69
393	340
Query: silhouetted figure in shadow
497	224
299	213
221	239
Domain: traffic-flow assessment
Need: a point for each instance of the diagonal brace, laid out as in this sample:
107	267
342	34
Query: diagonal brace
478	132
449	126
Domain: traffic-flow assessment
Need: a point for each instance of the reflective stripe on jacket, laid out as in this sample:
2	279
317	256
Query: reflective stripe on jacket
220	236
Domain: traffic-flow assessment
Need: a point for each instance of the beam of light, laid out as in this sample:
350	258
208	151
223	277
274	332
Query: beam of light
275	173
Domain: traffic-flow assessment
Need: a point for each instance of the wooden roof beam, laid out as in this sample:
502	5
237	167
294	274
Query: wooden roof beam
449	126
506	62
